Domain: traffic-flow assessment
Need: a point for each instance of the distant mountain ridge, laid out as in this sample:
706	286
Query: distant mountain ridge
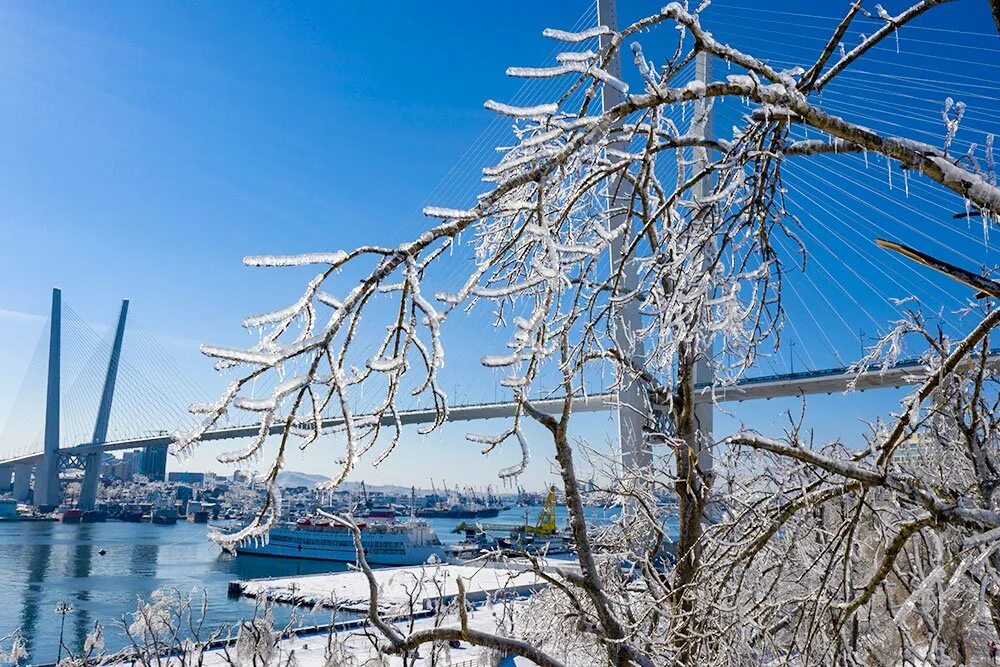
293	478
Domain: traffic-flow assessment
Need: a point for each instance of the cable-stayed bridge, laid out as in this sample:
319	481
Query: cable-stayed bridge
36	465
842	202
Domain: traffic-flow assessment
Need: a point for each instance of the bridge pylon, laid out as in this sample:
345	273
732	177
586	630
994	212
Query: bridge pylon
92	462
47	471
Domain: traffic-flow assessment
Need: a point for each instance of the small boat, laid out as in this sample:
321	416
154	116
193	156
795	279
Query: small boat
163	517
133	513
463	551
71	515
94	516
196	512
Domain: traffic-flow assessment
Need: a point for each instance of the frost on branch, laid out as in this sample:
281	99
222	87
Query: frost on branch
617	250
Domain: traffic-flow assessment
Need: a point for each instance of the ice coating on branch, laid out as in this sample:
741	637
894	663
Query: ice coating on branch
608	79
385	365
329	300
575	56
573	67
331	258
240	356
577	37
518	468
509	164
696	87
545	72
486	439
271	402
274	316
741	80
450	213
256	404
513	111
499	361
508	290
952	116
541	138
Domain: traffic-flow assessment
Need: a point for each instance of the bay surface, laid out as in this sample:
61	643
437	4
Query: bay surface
45	563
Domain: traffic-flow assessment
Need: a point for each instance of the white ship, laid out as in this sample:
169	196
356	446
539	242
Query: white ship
385	541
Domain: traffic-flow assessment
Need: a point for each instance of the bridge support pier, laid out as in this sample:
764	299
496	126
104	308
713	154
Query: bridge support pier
47	492
6	472
91	476
22	481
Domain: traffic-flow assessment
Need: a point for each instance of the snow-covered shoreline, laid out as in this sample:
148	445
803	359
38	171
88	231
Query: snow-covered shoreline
401	590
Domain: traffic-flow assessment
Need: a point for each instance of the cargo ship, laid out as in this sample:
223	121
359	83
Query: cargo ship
459	512
385	541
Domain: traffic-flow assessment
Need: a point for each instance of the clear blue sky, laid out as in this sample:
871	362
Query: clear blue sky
145	148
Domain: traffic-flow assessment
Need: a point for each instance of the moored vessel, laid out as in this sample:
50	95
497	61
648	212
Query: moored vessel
385	542
133	513
459	512
162	516
196	512
71	515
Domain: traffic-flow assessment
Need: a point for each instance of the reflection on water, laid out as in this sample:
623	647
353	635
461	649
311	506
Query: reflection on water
37	557
79	568
42	564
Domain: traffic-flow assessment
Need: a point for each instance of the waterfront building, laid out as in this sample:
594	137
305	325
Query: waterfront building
153	463
184	477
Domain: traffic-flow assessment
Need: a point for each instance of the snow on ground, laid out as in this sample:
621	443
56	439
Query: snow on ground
400	589
316	650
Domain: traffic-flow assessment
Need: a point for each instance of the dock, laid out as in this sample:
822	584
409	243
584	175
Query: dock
403	590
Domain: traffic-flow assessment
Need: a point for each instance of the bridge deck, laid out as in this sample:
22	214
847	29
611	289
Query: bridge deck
828	381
